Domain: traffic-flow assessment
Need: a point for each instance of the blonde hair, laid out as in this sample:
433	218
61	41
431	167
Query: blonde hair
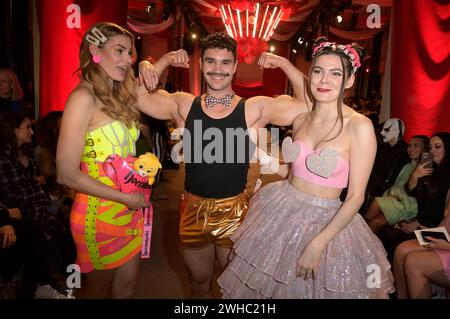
120	98
16	89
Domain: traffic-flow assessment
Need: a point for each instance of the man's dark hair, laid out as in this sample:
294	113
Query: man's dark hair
219	41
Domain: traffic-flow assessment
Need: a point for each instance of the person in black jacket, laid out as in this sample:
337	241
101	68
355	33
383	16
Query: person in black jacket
8	238
392	155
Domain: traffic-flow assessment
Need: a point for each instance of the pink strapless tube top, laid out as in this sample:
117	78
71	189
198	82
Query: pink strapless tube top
324	167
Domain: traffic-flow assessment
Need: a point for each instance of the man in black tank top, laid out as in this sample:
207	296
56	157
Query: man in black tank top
217	147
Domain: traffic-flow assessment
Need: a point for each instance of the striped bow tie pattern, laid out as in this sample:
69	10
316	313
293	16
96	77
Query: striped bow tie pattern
212	100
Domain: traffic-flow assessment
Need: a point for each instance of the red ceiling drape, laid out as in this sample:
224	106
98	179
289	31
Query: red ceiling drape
420	66
59	44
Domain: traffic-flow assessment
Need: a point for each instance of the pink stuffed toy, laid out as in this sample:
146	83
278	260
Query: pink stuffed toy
131	174
136	175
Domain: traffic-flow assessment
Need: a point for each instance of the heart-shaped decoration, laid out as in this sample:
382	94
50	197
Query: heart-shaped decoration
96	59
323	164
290	150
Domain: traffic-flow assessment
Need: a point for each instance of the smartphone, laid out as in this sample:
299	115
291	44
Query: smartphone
436	235
428	159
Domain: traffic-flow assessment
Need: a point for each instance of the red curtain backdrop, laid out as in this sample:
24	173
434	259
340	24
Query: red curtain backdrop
420	66
274	80
59	45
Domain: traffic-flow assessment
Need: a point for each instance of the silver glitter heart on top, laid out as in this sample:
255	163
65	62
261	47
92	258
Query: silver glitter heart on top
289	150
323	164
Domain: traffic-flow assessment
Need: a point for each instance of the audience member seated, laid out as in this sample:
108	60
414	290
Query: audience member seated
429	186
10	256
395	205
48	246
417	267
11	92
391	156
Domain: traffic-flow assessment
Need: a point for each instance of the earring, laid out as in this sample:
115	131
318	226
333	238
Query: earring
96	58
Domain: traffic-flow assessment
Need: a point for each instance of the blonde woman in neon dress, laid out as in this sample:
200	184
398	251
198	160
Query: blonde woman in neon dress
100	120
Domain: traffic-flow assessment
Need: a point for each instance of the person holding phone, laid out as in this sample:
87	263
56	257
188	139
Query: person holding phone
395	205
427	160
429	187
416	267
432	234
430	184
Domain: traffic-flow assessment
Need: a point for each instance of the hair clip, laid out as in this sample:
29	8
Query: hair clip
96	37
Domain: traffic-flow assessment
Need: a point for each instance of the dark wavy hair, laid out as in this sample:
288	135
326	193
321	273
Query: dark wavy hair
219	40
8	139
445	137
431	188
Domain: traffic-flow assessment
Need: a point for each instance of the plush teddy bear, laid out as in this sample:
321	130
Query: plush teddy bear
147	165
133	174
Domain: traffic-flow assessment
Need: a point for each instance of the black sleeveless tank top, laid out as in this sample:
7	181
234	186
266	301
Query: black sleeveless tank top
216	152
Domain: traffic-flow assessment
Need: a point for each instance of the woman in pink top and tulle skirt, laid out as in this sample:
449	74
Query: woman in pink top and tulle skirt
298	239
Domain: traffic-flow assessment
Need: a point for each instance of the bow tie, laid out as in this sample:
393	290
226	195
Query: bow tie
212	100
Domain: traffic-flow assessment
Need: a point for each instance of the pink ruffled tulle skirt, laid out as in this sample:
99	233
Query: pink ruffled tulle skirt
280	222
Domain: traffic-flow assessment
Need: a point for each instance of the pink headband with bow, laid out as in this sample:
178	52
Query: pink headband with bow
348	50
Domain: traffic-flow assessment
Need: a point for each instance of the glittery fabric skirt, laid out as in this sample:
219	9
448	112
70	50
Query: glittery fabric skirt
280	222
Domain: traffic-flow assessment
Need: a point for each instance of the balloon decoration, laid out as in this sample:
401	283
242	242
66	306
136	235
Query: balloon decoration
250	48
241	5
252	25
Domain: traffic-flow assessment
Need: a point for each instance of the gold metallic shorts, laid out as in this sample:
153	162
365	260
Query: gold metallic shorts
210	220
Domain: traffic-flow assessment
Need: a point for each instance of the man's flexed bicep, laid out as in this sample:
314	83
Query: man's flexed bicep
149	74
296	77
165	106
158	104
279	111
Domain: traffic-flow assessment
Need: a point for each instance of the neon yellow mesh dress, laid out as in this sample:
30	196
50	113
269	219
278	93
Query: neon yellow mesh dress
107	234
